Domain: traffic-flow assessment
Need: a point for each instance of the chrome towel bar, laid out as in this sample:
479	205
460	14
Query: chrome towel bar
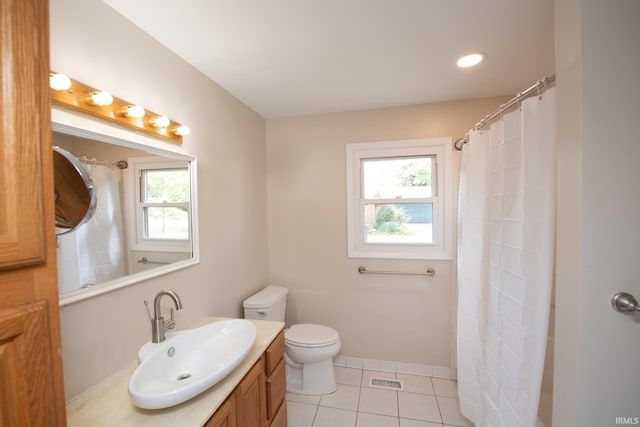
144	260
430	272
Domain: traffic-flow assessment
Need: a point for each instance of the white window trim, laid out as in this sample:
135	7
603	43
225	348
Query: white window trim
442	248
135	220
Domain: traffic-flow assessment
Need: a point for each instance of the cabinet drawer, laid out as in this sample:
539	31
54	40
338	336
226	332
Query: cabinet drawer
274	353
276	389
280	420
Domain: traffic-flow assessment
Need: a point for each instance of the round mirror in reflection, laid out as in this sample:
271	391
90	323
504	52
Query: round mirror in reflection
75	195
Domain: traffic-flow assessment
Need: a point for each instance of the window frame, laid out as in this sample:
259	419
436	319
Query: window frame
442	199
138	241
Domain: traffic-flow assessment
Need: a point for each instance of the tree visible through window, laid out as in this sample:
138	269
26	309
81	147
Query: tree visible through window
397	206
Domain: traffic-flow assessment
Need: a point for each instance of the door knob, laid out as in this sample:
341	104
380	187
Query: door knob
624	303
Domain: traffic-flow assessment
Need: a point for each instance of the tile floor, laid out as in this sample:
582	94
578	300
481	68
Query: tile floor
425	402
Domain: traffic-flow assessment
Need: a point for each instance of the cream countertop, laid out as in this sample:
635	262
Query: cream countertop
108	404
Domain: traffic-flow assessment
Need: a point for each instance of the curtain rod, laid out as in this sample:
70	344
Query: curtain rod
539	87
120	164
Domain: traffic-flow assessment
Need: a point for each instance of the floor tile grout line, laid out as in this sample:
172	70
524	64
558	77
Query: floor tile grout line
315	414
398	405
439	410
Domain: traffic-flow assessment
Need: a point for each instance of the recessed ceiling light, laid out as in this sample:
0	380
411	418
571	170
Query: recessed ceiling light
470	60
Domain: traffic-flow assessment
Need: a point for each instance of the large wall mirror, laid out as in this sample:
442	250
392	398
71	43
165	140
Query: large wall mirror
145	219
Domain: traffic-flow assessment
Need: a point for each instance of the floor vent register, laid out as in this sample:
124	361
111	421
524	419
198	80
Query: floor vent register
386	383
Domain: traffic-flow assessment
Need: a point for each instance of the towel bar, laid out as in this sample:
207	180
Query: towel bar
430	272
144	260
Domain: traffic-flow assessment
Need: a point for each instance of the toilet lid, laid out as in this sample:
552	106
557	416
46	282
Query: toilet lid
309	335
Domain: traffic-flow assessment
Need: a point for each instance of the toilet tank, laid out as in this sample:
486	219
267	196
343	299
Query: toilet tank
268	304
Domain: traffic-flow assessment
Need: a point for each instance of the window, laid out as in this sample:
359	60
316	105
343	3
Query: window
399	199
162	204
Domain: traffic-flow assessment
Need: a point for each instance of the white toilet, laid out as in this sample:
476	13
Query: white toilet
309	349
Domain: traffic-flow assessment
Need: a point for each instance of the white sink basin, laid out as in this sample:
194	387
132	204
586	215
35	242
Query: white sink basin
189	362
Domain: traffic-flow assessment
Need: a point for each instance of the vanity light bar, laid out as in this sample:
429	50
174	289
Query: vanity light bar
83	98
133	111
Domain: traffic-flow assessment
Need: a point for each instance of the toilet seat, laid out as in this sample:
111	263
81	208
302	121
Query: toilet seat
309	335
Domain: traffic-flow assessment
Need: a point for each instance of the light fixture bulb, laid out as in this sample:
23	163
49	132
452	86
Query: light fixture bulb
59	82
99	99
133	111
470	60
182	130
159	122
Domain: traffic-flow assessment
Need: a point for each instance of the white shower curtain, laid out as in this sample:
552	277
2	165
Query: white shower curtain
94	252
505	264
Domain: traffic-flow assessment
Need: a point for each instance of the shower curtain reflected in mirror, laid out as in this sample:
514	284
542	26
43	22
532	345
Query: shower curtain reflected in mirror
94	253
505	264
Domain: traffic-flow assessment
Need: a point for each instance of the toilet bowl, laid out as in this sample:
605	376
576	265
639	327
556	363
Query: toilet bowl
309	351
309	348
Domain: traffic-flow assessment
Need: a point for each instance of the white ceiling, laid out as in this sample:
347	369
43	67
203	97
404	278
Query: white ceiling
295	57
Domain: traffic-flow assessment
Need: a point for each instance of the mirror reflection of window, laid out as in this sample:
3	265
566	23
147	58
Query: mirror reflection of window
165	204
161	203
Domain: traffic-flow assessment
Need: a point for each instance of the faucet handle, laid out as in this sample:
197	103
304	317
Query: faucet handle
146	305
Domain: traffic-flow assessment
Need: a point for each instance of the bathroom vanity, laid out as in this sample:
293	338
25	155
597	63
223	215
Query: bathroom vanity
252	395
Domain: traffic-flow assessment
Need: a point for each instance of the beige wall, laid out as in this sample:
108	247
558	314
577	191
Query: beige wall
95	45
397	318
381	317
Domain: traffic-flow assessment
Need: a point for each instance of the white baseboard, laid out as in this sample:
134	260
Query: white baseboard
392	366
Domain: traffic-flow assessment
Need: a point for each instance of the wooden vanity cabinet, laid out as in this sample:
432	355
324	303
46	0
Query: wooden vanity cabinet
259	399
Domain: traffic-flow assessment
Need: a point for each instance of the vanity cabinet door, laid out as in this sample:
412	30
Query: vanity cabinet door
250	398
225	415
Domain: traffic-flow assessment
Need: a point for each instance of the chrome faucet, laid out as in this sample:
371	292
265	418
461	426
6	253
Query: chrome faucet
158	325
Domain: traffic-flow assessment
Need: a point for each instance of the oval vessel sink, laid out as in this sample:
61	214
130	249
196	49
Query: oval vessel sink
190	363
